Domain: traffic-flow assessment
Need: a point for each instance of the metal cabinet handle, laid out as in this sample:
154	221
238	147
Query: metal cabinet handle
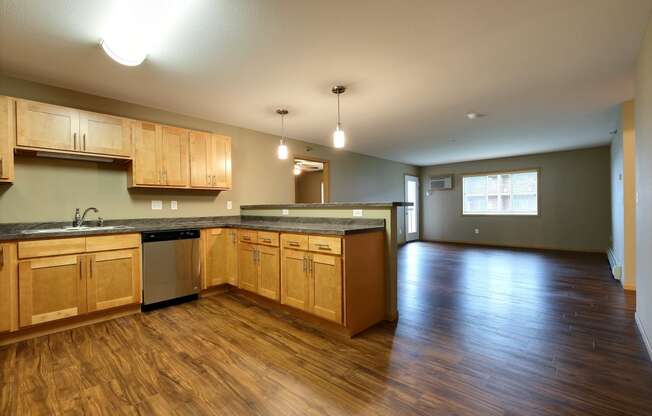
84	140
311	265
323	247
74	141
79	262
267	240
92	260
305	264
293	243
2	257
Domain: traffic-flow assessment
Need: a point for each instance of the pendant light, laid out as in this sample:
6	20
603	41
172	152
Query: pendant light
339	138
282	151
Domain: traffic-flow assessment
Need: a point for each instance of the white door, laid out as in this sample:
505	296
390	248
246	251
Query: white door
412	213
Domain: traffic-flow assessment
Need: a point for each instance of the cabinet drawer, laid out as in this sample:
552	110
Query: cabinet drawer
268	238
112	242
331	245
54	247
247	236
294	241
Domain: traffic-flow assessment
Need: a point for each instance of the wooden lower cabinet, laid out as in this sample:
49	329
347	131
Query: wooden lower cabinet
247	267
51	288
8	288
313	283
113	279
221	256
269	279
326	286
295	281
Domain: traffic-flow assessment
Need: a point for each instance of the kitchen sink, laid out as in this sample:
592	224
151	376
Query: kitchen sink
76	229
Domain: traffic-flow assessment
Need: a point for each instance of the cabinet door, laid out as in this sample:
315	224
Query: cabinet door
47	126
113	279
174	156
294	279
221	257
200	143
146	164
326	287
51	288
8	288
219	161
7	138
269	281
103	134
247	267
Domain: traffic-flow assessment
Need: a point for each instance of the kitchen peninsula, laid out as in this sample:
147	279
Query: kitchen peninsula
326	267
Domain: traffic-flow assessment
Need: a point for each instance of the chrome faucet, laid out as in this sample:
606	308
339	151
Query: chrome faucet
78	221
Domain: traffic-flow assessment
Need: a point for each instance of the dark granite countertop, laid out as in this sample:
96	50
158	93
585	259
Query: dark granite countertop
331	205
326	226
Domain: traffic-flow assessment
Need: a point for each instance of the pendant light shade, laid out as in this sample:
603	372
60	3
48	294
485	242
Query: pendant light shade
297	169
339	138
282	151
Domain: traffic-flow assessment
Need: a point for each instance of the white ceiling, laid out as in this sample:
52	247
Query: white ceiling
548	73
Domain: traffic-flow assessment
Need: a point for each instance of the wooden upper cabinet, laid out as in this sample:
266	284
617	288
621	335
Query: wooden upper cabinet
326	287
113	279
220	161
174	156
7	138
51	288
146	166
210	160
47	126
103	134
295	281
221	256
269	281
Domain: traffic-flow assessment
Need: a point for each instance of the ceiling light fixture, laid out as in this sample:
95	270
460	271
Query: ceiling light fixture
473	116
339	138
282	151
297	169
125	51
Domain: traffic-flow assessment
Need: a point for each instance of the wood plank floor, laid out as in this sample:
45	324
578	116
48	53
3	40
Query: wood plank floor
482	332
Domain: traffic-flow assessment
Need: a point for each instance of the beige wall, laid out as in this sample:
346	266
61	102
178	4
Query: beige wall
308	187
622	253
644	188
574	211
49	189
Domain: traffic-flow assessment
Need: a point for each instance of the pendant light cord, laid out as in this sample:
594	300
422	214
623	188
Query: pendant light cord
338	111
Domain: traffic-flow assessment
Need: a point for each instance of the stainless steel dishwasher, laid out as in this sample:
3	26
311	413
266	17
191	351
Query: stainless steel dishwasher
171	267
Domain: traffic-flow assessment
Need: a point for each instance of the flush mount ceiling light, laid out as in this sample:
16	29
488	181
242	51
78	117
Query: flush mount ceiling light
474	116
282	151
297	169
124	51
339	138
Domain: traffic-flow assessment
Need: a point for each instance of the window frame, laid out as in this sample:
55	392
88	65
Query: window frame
503	172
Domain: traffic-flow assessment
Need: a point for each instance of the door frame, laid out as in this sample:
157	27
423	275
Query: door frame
416	235
325	175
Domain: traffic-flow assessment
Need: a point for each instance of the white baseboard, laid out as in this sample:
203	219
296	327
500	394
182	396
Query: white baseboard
616	269
646	340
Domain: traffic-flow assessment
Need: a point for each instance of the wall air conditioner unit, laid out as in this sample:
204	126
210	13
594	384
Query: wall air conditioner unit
441	183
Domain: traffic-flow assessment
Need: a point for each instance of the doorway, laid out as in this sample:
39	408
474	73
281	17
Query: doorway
311	180
412	213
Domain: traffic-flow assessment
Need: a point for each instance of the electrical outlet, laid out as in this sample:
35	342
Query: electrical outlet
174	205
357	213
157	205
286	212
477	231
229	204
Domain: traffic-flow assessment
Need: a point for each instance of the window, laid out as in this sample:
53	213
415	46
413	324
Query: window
507	193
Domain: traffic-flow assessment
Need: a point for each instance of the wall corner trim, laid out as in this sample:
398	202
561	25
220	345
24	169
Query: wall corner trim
646	339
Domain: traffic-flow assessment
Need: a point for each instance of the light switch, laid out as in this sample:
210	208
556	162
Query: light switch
173	205
229	204
157	204
357	213
286	212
